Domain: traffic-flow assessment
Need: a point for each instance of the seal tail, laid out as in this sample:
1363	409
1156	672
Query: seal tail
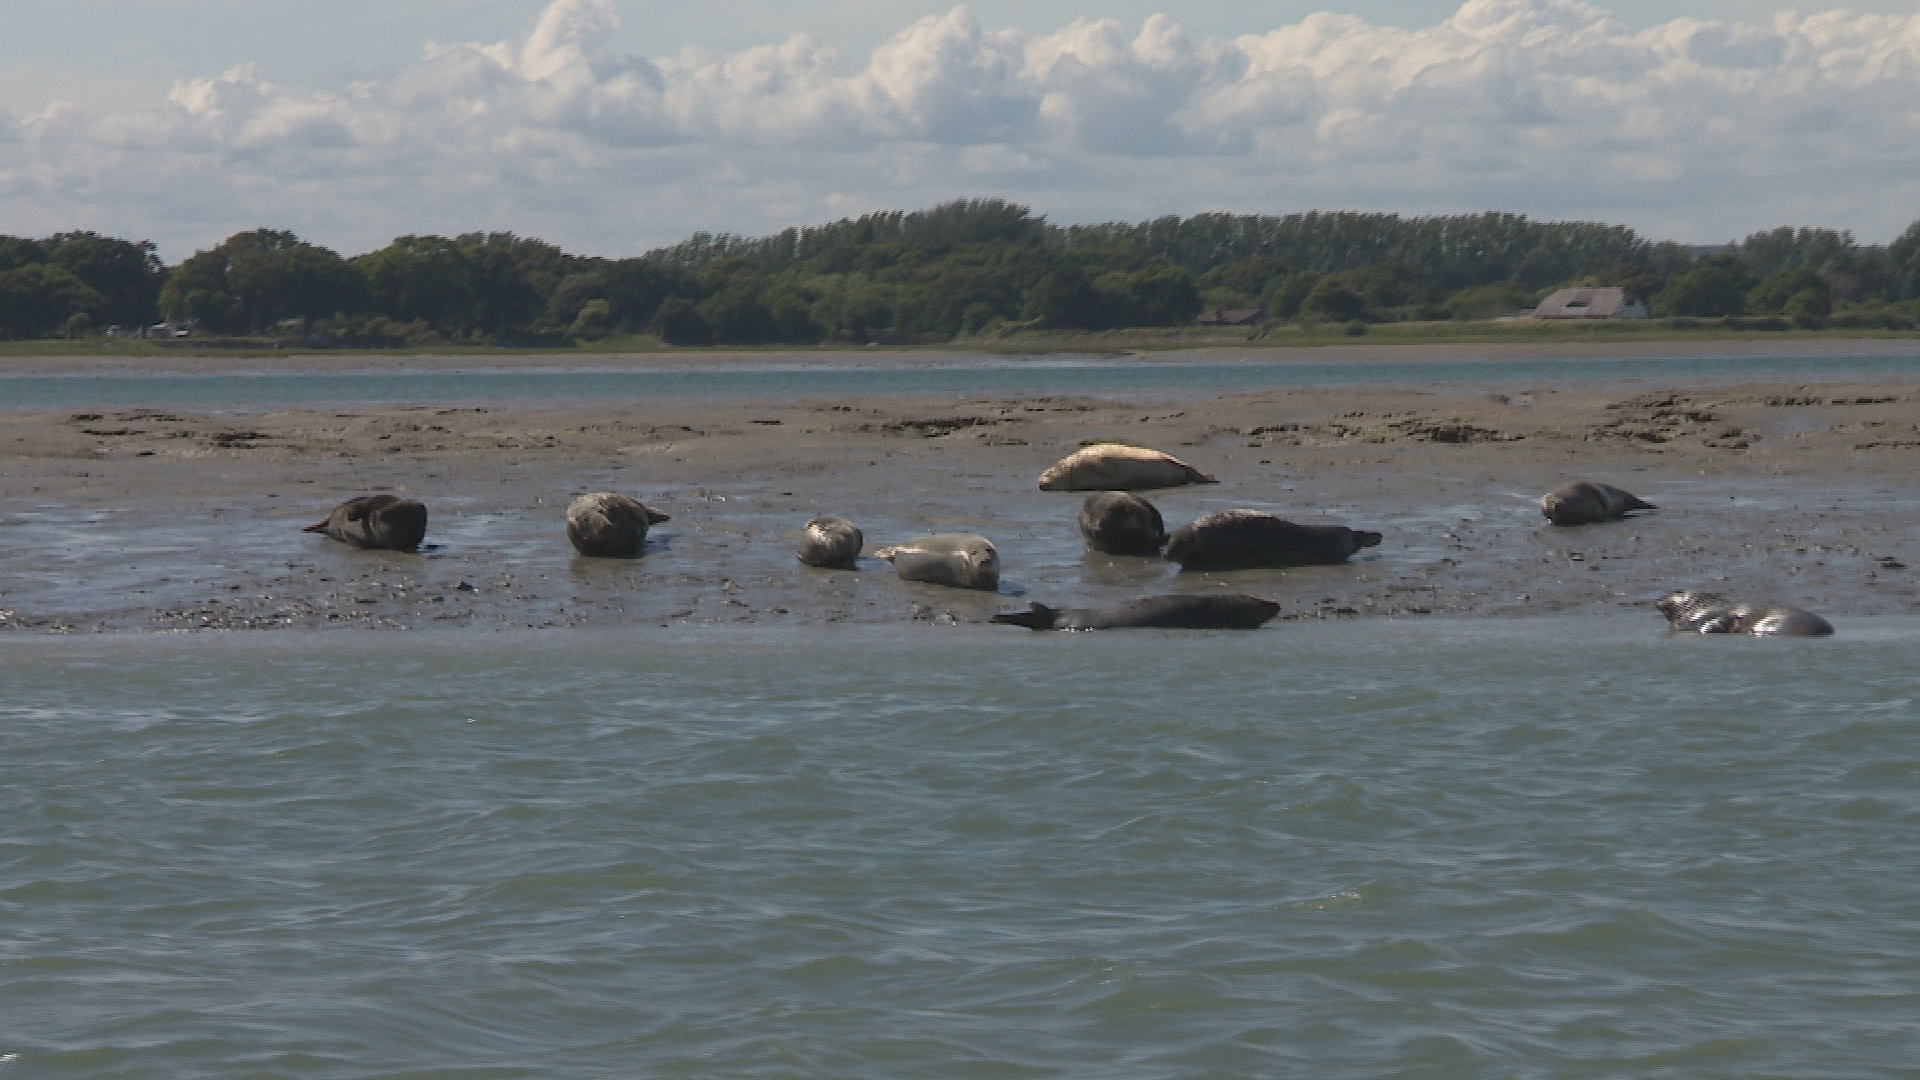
1639	504
654	517
1365	539
1036	617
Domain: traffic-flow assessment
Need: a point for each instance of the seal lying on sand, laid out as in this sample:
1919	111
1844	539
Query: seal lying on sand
1582	503
1706	613
1232	611
832	543
388	522
605	525
1246	539
1121	523
1119	467
959	560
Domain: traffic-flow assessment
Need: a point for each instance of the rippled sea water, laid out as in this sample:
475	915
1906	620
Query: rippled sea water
1531	849
895	374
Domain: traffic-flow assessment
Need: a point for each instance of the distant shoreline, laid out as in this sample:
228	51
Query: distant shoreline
1679	346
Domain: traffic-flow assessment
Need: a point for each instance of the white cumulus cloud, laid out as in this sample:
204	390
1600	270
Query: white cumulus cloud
1695	130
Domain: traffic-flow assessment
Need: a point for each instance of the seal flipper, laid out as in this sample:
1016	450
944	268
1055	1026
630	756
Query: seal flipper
1038	616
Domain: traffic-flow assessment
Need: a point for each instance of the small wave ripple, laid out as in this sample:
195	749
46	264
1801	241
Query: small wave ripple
1355	851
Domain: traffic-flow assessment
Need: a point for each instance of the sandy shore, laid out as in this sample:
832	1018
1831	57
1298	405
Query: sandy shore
144	520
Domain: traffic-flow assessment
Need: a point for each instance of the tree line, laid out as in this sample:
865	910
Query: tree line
967	267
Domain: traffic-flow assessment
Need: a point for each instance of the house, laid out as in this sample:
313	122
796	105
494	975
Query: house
1228	317
1591	304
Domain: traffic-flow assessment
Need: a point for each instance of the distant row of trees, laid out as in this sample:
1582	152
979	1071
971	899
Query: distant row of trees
965	267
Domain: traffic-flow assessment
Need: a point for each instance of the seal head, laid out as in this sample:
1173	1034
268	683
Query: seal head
1709	613
1584	503
384	522
1250	539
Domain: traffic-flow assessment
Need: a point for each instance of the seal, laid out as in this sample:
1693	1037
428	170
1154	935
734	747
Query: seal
1584	503
385	522
1119	467
1228	611
1249	539
606	525
832	543
1122	523
957	560
1708	613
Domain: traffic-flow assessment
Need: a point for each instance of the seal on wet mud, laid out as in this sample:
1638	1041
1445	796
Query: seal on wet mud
1228	611
385	522
1709	613
957	560
832	543
1122	523
1250	539
1585	503
608	525
1119	467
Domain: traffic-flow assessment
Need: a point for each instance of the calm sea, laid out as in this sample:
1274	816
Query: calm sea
897	375
1367	849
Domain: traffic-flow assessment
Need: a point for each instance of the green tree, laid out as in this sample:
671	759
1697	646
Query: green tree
1162	295
678	322
253	280
127	275
1770	296
38	299
1285	302
420	277
1808	309
1332	300
1064	299
1488	301
1711	288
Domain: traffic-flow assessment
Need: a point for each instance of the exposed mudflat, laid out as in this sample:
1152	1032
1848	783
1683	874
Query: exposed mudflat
159	520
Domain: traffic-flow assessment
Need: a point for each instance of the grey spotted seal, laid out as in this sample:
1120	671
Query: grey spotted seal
1232	611
1122	523
1119	467
1250	539
607	525
957	560
385	522
1585	503
1709	613
832	543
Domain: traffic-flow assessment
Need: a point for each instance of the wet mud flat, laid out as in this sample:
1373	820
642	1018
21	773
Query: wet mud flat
167	520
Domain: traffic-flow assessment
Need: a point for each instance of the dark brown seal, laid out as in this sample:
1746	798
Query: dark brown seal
1250	539
832	543
1231	611
607	525
1122	523
1584	503
1708	613
387	522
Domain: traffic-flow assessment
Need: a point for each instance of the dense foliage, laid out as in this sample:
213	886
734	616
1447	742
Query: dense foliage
967	267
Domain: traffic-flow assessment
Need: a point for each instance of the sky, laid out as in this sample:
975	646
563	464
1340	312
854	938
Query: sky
613	126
